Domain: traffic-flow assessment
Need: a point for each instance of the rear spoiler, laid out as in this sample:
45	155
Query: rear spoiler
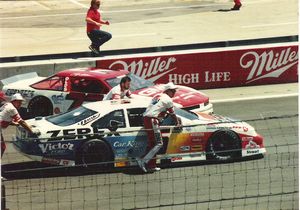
19	77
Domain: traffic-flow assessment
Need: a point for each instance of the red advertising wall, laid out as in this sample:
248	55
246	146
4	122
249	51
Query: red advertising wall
201	70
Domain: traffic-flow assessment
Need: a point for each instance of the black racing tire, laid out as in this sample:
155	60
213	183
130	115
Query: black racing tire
224	145
95	151
40	106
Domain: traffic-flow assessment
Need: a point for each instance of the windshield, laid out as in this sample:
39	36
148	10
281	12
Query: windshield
71	117
180	113
137	83
186	114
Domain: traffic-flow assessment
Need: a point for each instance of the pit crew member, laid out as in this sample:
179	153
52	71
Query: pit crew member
9	115
159	108
120	91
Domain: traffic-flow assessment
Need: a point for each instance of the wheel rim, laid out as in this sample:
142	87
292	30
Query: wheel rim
224	147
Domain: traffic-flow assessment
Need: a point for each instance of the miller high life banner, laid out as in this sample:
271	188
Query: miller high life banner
228	68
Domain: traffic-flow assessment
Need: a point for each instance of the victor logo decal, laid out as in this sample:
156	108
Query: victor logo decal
48	147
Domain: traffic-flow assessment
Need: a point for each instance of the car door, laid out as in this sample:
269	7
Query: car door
85	90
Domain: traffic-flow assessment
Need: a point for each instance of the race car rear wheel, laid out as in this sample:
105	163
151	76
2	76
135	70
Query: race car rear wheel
224	145
96	151
40	106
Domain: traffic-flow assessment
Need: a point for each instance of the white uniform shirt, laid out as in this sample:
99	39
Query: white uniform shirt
8	113
160	106
116	93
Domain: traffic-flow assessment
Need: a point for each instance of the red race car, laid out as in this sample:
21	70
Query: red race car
68	89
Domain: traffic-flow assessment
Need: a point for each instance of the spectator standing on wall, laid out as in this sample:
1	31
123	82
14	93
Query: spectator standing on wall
93	24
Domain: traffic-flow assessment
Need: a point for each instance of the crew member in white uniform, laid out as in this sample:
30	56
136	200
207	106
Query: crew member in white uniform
9	115
120	91
160	106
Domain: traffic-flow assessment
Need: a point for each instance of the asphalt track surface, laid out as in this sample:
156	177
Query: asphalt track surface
269	183
51	26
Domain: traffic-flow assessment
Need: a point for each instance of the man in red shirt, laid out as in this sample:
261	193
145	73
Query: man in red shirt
94	22
237	5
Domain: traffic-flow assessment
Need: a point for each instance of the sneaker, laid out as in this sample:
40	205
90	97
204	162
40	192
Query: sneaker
151	170
236	7
94	50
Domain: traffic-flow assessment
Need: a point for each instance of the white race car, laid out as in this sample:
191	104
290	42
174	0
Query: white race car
113	131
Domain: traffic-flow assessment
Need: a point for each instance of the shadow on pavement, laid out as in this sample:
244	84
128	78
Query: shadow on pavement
224	10
32	169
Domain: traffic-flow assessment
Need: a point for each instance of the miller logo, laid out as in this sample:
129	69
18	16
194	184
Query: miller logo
152	70
268	64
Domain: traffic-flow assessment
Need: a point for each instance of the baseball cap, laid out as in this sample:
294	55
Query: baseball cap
170	86
17	97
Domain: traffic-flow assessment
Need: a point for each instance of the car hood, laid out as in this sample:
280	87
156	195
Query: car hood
185	96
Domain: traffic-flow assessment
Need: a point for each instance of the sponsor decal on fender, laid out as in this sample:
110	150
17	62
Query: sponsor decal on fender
152	70
252	147
185	148
49	147
197	148
268	63
24	93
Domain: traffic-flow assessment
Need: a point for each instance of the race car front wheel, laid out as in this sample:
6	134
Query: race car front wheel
95	153
224	145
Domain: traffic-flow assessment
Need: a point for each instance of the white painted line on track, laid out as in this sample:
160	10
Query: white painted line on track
41	5
271	24
111	11
79	4
40	16
130	10
132	35
253	98
119	36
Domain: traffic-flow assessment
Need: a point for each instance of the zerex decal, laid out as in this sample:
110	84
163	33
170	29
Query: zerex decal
78	133
24	93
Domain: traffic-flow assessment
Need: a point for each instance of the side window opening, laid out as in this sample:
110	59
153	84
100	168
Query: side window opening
115	118
135	117
86	85
51	83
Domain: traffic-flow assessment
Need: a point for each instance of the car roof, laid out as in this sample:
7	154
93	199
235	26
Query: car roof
110	105
92	72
